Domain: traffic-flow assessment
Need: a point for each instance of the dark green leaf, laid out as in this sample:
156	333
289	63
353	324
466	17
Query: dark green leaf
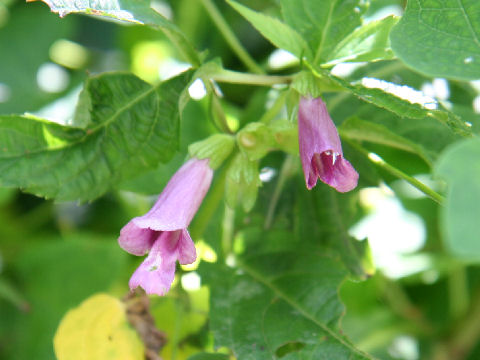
440	38
322	216
130	127
277	299
322	23
460	167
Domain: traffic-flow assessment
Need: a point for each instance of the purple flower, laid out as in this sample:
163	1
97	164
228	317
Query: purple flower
320	148
162	232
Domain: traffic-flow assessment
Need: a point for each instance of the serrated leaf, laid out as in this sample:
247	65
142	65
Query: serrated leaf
277	299
97	330
440	38
130	128
358	129
277	32
460	167
387	99
133	11
322	23
370	42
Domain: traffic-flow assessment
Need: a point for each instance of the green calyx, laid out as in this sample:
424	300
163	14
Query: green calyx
255	140
216	148
242	182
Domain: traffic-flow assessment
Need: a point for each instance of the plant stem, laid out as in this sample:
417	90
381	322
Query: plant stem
230	37
377	160
458	292
274	109
235	77
227	230
285	172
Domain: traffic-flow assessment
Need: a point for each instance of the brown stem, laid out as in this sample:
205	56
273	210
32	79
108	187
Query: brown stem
138	315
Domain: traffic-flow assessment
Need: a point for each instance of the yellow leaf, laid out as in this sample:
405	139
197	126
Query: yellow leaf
97	329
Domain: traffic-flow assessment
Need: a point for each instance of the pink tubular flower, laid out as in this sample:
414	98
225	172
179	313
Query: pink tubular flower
163	230
320	148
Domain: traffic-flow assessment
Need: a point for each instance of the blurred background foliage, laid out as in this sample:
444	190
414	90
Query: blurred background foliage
420	304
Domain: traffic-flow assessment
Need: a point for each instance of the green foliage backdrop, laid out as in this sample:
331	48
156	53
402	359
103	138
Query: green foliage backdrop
100	103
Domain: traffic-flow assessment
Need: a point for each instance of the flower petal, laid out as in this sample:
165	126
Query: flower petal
181	198
187	253
135	240
338	173
156	273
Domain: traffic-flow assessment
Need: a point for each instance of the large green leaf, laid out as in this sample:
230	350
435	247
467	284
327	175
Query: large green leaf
281	304
127	126
323	24
370	42
280	34
321	216
459	165
440	38
133	11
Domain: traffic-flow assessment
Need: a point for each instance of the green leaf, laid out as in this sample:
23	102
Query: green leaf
460	167
322	23
357	129
323	215
133	11
278	299
440	38
387	99
95	330
368	43
130	127
279	34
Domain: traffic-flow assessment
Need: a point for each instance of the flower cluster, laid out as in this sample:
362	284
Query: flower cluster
162	232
